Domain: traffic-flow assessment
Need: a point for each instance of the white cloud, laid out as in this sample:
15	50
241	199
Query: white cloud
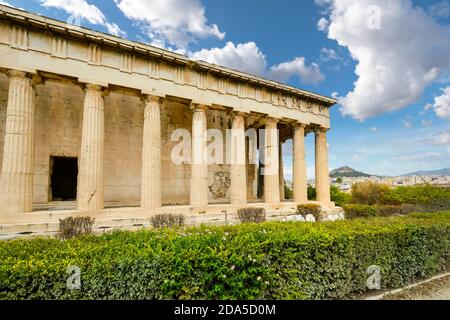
6	4
175	22
440	10
395	64
443	139
373	129
427	123
82	9
323	24
244	56
328	55
308	74
248	57
442	104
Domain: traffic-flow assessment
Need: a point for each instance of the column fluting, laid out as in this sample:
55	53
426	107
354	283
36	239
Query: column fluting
90	174
199	164
151	154
238	161
322	170
271	163
300	185
16	180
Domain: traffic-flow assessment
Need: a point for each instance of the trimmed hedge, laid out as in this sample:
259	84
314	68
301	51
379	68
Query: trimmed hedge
252	261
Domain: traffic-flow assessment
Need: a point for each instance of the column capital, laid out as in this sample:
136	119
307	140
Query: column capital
96	87
321	130
151	98
298	125
198	107
236	114
34	77
270	120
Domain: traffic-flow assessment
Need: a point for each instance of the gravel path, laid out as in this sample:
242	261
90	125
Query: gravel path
434	290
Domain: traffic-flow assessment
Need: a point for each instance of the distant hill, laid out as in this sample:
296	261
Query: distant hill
347	172
443	172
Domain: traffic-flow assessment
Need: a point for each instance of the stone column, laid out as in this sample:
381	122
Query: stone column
281	171
322	171
238	166
151	154
90	173
271	163
300	184
16	180
199	165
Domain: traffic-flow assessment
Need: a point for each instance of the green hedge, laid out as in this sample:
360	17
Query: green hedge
265	261
353	211
423	195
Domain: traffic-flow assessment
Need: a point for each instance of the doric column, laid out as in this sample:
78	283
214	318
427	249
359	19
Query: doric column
199	165
90	173
281	171
238	166
271	163
322	171
151	154
16	180
299	165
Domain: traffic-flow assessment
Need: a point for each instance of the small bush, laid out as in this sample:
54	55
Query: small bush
251	215
168	220
338	197
353	211
310	208
288	192
73	227
391	210
369	192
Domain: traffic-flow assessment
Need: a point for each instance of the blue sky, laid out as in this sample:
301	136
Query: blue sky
388	62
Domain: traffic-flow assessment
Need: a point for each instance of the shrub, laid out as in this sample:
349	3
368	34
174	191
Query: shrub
251	215
353	211
424	195
391	210
288	192
312	194
310	208
75	226
168	220
249	261
338	197
368	192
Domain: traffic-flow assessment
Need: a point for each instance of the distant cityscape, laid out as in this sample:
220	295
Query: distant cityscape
345	177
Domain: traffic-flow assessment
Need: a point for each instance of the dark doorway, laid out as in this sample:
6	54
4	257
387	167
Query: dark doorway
64	173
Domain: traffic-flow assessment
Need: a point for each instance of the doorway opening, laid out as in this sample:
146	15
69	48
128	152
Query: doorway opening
63	178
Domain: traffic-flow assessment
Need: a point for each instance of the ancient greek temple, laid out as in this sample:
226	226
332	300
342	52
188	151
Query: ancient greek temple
87	122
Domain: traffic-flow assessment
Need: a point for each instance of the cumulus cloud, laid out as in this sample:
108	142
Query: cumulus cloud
173	22
395	64
442	104
82	9
248	57
243	56
308	74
